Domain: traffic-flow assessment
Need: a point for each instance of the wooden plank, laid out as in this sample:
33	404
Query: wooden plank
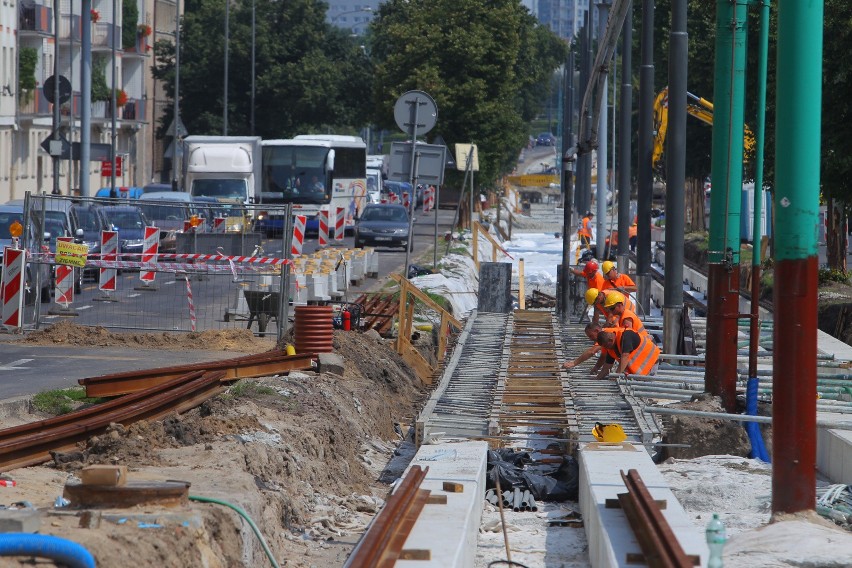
133	494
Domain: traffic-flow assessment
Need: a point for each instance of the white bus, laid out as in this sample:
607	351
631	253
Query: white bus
314	173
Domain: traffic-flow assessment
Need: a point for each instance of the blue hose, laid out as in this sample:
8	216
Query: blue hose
45	546
758	449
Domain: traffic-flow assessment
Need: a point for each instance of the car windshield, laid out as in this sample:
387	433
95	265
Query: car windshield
87	220
391	214
223	188
164	212
54	227
125	219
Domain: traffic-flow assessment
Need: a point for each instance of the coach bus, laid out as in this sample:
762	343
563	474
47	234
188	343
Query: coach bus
313	173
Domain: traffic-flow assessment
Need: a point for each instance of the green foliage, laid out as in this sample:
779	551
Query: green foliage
248	389
62	401
26	78
129	21
100	90
828	275
836	160
309	76
487	64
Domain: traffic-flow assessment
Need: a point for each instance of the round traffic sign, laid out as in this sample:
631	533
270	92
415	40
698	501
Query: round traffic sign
49	89
415	108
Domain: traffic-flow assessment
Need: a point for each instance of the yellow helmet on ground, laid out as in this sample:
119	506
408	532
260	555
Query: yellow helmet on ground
611	433
607	266
613	298
592	295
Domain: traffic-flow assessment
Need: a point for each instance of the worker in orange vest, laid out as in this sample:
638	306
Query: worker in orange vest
584	231
592	330
597	299
636	353
594	279
612	279
625	318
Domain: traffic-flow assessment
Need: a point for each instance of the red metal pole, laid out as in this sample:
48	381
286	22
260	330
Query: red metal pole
720	375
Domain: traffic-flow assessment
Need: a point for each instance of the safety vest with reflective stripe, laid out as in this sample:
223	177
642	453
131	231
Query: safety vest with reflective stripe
628	303
638	326
641	360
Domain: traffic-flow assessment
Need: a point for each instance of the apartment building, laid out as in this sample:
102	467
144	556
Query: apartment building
28	48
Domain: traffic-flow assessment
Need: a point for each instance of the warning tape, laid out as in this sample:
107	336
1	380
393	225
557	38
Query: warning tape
210	257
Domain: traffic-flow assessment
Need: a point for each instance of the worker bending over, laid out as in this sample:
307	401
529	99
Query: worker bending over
636	353
592	330
597	299
624	318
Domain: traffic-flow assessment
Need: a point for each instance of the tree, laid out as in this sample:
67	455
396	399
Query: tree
129	21
309	76
486	63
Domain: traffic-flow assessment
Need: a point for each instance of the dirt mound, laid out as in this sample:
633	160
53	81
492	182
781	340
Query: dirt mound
68	333
704	436
300	453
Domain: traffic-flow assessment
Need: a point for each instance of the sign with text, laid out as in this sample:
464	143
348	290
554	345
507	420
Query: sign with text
465	152
71	254
106	167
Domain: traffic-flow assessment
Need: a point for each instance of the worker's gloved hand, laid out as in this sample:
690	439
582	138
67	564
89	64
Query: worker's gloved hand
568	365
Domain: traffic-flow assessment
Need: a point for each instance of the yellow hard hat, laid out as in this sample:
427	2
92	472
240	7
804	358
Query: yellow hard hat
612	433
613	298
607	266
592	295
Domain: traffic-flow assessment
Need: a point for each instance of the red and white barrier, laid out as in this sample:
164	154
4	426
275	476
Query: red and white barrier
109	252
323	228
12	287
339	224
64	280
405	201
150	248
394	198
220	224
187	226
298	235
192	320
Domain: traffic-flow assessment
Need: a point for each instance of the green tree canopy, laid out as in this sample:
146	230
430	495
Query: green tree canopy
309	76
487	64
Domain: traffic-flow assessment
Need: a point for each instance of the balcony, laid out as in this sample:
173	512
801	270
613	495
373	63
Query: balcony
35	18
134	109
37	105
141	49
106	35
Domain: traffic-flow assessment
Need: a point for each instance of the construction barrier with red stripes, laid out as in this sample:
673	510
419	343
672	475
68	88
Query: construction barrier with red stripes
339	224
12	287
109	252
149	253
323	228
298	234
64	280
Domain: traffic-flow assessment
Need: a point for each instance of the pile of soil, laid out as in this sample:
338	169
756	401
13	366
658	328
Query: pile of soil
299	453
68	333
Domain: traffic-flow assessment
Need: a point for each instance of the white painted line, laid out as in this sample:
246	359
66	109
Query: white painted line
133	295
84	307
168	282
14	365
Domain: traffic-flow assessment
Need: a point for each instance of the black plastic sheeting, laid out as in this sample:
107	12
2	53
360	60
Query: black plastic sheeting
510	467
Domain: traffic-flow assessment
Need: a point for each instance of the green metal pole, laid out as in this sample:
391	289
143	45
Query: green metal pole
727	176
797	162
757	235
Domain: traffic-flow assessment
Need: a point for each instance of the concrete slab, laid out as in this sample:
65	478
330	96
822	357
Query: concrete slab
607	530
449	531
20	521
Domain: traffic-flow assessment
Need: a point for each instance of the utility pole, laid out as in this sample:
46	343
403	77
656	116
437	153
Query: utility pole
225	94
253	36
568	154
645	165
603	17
86	88
56	103
113	100
675	177
625	133
176	137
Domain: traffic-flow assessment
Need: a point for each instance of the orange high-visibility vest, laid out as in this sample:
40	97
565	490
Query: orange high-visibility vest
628	314
596	280
641	360
585	229
622	281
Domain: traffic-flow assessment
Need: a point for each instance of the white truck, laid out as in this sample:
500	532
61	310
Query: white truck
225	168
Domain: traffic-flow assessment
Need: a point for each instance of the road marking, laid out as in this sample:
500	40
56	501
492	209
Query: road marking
169	282
84	308
14	365
133	295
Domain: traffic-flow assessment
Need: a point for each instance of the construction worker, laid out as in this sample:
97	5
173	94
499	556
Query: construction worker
612	279
591	331
594	279
636	353
584	231
626	319
597	298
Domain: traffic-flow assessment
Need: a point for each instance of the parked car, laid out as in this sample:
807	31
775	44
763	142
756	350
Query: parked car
545	139
384	224
87	222
130	223
167	210
8	215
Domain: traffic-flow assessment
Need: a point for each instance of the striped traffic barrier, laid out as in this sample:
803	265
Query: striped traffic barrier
12	286
298	235
220	224
192	320
64	277
109	253
394	198
150	248
339	224
405	200
323	228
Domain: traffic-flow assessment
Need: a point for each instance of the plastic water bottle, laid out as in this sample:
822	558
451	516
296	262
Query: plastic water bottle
715	541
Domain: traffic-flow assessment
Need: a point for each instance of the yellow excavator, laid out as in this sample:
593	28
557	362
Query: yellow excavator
700	108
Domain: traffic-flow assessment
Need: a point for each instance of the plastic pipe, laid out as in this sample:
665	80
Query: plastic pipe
247	519
60	550
758	449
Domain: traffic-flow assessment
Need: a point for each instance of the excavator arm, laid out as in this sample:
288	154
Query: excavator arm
696	106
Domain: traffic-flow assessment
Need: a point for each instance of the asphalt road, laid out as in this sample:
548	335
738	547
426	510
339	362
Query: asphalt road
27	369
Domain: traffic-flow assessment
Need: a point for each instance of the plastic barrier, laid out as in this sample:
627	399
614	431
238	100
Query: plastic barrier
323	228
298	235
150	248
109	252
12	286
339	224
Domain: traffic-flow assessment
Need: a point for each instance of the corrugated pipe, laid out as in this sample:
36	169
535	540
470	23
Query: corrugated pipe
758	448
60	550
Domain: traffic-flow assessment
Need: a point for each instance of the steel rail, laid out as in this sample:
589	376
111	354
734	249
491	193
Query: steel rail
31	444
260	365
657	540
382	543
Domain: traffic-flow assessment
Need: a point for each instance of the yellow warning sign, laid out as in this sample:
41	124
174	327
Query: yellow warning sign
534	180
71	254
